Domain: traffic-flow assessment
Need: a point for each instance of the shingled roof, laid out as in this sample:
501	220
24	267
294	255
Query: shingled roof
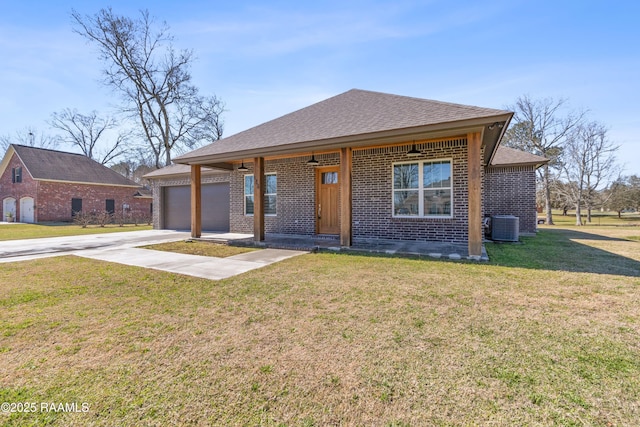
507	156
353	117
52	165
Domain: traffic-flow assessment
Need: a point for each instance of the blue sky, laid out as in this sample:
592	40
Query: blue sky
265	59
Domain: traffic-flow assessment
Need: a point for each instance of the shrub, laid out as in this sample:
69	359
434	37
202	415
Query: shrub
82	219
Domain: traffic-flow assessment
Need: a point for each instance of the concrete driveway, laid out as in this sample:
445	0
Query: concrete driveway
123	248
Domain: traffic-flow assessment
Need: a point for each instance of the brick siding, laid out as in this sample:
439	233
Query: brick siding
296	196
371	199
512	191
27	188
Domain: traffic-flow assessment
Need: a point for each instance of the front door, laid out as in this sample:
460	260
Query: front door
327	194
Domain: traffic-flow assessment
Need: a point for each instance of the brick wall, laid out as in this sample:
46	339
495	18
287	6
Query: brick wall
158	183
372	195
54	200
27	188
296	199
512	191
373	202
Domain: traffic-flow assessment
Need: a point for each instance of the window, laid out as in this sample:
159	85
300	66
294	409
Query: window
270	194
329	177
76	206
16	174
110	206
422	189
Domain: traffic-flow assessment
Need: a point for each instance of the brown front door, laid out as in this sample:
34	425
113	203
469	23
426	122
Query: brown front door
327	196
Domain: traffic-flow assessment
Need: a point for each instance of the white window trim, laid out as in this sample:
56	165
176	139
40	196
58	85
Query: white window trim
421	189
244	195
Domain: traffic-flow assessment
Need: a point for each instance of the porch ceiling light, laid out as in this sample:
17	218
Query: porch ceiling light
414	151
313	161
243	168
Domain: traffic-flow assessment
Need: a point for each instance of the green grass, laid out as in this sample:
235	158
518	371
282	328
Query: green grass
598	219
203	248
33	231
537	336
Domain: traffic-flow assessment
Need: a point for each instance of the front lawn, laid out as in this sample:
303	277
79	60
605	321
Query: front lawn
203	248
33	231
533	338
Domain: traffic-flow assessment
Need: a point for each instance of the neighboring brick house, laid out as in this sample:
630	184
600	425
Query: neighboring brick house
360	165
38	185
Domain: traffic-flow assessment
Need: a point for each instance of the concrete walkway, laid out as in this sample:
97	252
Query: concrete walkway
192	265
123	248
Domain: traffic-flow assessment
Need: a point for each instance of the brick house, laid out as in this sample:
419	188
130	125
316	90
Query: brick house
38	185
360	165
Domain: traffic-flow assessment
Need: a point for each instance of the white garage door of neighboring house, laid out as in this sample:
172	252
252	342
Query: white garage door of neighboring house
8	206
215	207
26	209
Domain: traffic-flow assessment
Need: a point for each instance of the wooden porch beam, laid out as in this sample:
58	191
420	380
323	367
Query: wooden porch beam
258	199
196	201
345	196
474	170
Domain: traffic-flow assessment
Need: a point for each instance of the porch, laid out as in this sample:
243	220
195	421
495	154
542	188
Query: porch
330	243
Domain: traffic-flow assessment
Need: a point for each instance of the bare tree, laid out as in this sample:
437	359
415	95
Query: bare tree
539	128
154	80
589	165
86	131
29	137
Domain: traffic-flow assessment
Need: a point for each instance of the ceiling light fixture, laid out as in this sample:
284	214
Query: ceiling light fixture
414	151
313	161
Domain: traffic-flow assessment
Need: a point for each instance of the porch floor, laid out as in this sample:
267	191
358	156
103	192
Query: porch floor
412	248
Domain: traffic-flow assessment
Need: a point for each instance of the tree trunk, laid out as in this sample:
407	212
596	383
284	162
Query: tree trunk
167	157
547	194
589	213
578	214
619	214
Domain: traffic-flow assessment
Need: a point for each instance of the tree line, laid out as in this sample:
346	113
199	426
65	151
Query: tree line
169	115
582	172
165	110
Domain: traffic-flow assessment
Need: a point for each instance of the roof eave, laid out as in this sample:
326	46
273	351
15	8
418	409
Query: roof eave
88	183
518	164
445	129
507	122
208	171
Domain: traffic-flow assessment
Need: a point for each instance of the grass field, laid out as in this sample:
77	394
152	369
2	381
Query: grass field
33	231
598	219
544	334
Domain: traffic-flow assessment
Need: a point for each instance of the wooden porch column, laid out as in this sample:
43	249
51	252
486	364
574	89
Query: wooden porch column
474	165
196	201
345	196
258	199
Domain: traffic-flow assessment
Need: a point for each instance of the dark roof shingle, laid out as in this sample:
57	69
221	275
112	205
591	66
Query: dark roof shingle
356	112
510	156
45	164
